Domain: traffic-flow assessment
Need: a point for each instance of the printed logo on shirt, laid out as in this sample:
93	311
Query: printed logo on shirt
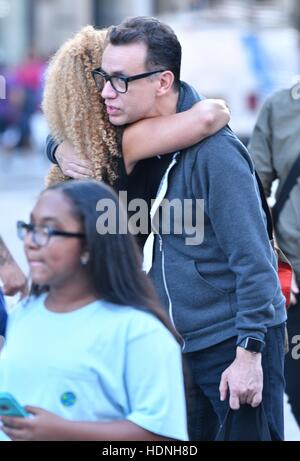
68	399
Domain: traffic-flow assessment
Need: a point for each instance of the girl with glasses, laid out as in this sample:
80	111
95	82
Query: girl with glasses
90	354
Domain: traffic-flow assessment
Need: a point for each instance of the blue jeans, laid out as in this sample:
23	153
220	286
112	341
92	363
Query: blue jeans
204	369
3	315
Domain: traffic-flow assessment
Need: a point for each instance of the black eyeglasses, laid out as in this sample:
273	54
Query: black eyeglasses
118	82
42	234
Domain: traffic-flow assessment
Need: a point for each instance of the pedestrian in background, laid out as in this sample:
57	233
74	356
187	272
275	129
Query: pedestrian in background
274	147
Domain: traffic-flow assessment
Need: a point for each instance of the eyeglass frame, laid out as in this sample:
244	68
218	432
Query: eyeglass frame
49	232
126	80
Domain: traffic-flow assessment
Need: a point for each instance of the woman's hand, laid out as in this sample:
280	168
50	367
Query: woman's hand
42	426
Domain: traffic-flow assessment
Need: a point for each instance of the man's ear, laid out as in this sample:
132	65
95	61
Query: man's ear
166	80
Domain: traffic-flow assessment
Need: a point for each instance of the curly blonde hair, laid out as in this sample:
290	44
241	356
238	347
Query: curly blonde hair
74	108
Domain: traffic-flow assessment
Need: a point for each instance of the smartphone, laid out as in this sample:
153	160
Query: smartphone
10	407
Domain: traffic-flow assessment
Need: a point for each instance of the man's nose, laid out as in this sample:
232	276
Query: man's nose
108	92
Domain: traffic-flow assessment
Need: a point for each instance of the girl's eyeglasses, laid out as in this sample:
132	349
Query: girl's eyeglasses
42	234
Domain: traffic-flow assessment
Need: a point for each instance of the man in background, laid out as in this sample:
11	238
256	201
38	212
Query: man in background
275	150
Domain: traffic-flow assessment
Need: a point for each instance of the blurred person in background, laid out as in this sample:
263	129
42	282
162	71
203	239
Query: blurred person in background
90	351
29	77
23	97
274	147
12	278
10	110
3	99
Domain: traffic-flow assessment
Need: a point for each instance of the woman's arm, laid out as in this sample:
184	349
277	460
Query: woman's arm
161	135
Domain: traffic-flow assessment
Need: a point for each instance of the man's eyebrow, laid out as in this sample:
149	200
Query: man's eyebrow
115	73
119	74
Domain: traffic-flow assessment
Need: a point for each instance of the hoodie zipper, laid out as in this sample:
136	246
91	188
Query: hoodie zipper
153	211
167	289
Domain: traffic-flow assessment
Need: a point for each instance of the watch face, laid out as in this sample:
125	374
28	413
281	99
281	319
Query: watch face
252	344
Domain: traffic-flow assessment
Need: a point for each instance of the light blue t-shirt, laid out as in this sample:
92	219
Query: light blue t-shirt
102	362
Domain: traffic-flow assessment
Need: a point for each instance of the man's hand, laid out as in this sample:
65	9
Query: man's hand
294	290
14	280
42	427
70	164
243	379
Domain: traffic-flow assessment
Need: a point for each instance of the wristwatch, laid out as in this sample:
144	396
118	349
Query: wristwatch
252	344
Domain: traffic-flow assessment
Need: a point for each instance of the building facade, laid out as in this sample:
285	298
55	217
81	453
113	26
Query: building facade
45	24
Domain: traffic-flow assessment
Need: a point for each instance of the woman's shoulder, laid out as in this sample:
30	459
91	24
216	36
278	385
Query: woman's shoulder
136	321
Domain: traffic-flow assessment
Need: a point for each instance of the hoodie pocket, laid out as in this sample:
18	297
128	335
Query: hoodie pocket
196	303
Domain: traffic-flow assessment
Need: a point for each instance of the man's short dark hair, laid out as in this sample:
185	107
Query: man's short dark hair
164	49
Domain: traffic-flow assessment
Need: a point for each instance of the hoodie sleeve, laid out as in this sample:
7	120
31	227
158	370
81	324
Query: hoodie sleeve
260	148
51	147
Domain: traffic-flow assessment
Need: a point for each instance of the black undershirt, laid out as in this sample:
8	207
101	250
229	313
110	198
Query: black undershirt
142	182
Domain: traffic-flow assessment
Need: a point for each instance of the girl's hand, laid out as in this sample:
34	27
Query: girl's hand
43	426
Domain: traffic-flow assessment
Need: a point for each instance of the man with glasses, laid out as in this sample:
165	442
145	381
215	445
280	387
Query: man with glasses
223	295
12	278
119	82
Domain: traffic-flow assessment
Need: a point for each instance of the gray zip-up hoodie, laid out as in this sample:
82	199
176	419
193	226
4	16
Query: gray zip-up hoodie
226	286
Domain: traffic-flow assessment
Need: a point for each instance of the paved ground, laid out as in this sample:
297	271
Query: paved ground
21	179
